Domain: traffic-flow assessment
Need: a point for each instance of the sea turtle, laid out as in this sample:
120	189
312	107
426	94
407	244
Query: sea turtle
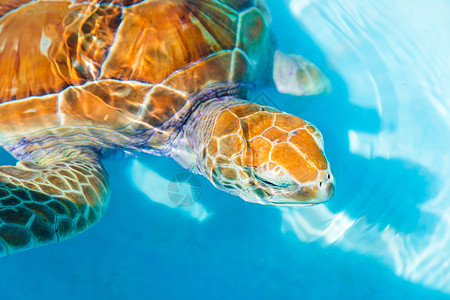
81	80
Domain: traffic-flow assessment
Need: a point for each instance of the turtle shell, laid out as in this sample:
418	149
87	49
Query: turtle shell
113	64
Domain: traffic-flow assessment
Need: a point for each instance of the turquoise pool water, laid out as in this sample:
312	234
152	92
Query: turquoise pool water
385	234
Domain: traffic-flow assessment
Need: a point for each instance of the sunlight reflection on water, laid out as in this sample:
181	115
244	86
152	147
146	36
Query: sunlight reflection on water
156	187
393	59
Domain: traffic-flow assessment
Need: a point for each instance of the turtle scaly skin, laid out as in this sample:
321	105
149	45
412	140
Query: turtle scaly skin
83	79
258	150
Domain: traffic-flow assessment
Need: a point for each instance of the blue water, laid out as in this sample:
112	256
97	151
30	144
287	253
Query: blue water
385	234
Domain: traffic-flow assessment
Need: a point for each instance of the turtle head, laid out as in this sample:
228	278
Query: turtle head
267	156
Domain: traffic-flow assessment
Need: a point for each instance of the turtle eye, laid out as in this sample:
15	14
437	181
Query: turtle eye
265	182
274	177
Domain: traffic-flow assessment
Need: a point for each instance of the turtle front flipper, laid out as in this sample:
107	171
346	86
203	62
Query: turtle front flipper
42	204
295	75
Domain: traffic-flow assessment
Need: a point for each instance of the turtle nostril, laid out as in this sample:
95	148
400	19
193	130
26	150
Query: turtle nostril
326	180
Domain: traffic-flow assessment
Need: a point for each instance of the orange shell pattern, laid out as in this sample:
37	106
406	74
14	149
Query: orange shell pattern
112	64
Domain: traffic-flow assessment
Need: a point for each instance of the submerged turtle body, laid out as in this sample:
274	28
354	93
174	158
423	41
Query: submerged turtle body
81	80
121	68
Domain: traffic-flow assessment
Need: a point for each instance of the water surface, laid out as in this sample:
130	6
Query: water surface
386	232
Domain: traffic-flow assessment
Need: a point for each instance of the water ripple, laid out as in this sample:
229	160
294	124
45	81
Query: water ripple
393	57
